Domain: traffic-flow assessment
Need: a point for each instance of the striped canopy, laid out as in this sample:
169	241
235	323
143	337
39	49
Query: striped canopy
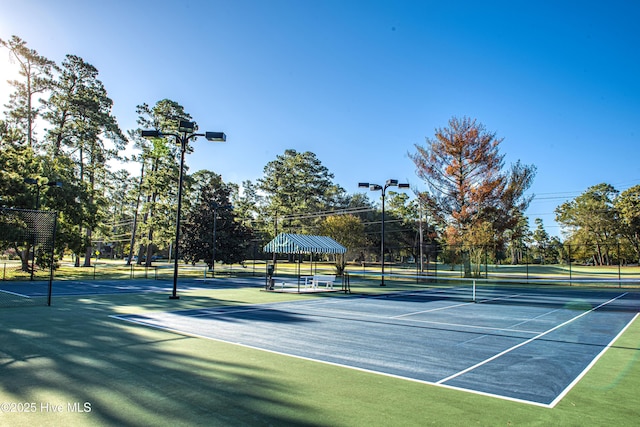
299	243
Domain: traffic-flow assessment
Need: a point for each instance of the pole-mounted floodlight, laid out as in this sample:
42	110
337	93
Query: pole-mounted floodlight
377	187
185	126
215	136
187	130
151	134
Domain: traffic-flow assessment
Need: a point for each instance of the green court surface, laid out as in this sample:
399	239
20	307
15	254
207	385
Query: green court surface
75	364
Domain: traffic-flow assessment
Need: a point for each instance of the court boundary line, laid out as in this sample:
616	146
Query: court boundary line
530	340
593	362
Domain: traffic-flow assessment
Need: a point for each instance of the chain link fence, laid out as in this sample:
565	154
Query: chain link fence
27	240
527	262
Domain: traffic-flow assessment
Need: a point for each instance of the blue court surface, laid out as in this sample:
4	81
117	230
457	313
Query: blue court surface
62	288
514	344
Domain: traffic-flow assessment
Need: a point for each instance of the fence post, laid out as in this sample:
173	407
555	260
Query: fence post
619	265
526	260
570	275
486	263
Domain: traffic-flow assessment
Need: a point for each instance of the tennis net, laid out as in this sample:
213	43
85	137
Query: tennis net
576	294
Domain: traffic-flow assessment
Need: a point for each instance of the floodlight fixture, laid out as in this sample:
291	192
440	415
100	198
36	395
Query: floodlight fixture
392	183
404	185
215	136
151	134
185	126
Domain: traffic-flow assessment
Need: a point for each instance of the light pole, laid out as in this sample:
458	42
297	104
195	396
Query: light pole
377	187
185	132
35	182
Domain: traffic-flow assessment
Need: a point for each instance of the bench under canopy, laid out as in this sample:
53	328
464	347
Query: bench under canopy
297	244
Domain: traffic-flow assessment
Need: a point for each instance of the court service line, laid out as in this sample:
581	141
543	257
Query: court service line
484	328
509	328
494	357
455	305
534	318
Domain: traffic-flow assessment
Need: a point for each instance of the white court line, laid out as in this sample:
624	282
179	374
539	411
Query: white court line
535	318
430	310
590	365
487	328
15	293
455	305
484	362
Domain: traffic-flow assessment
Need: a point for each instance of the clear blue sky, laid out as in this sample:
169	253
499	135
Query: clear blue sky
360	82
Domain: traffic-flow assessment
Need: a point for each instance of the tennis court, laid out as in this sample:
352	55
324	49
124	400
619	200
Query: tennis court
510	343
63	288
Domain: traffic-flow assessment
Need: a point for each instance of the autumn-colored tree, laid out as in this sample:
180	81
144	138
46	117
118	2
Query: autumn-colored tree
467	188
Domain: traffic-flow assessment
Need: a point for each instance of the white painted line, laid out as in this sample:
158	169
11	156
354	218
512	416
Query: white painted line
590	365
456	305
485	328
484	362
534	318
430	310
15	293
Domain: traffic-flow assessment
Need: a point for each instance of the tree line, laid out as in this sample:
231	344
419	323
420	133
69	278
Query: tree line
471	201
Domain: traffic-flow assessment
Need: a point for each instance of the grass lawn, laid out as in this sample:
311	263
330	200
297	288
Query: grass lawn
73	353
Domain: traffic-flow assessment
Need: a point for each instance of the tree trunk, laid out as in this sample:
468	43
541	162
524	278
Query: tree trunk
87	250
466	260
24	258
